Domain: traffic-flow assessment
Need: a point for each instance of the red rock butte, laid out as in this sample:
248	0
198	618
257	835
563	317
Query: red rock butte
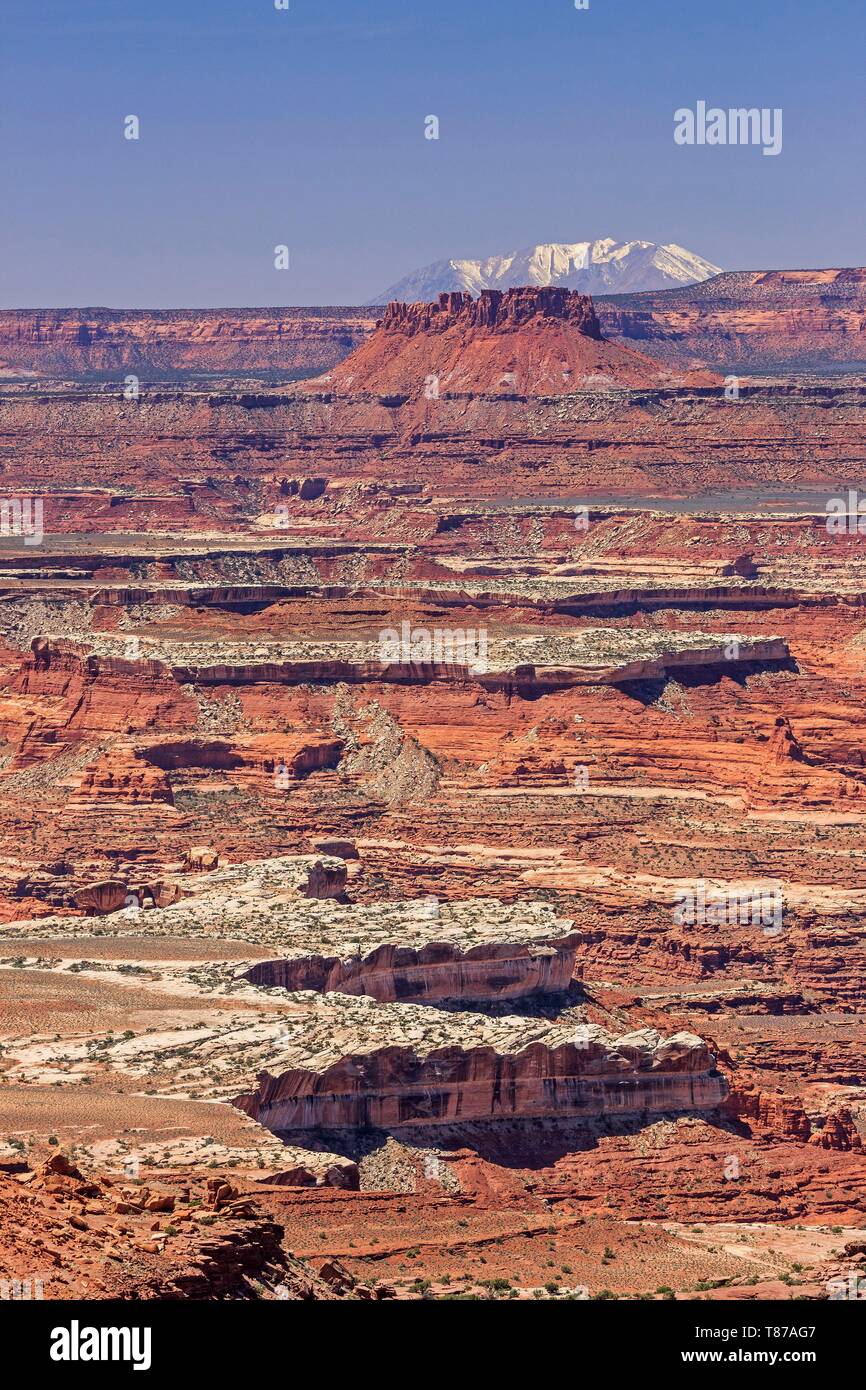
495	310
530	341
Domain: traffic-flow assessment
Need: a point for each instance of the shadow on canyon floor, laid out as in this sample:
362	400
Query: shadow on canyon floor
649	692
512	1144
538	1005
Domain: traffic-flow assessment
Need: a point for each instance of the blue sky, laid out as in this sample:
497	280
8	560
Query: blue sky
306	127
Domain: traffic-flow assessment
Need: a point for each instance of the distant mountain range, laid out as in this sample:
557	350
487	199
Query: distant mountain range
594	267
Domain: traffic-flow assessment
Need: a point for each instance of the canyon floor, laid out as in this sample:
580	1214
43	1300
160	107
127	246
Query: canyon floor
414	887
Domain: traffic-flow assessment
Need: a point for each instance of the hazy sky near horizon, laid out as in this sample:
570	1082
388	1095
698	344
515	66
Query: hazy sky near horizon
305	127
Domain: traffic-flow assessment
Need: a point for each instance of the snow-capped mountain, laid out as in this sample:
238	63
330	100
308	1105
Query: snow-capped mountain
594	267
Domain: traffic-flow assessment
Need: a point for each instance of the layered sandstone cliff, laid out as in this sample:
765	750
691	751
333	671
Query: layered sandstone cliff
594	656
495	970
754	321
515	418
497	311
160	342
423	951
480	1070
757	320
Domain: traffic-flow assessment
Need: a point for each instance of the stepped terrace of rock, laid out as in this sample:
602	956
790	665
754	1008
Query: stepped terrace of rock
594	655
422	950
310	1061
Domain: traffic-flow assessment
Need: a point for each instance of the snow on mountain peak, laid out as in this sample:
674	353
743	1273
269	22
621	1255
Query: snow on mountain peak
604	266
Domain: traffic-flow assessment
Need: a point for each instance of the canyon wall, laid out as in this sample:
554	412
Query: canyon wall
396	1086
157	342
219	458
495	970
752	321
755	320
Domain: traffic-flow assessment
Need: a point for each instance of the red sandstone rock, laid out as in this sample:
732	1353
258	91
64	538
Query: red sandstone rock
61	342
438	971
783	746
343	849
838	1132
101	1258
749	320
774	1114
493	310
201	859
107	896
122	777
521	342
394	1086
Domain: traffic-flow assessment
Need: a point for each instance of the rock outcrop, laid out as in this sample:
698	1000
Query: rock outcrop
535	341
123	778
160	343
435	972
751	321
65	1234
581	1073
424	952
498	311
593	656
